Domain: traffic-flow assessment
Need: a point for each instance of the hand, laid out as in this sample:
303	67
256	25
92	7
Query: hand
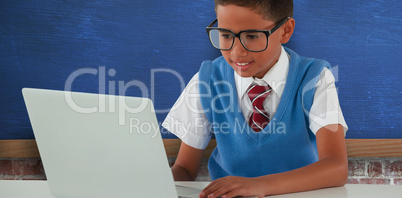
232	186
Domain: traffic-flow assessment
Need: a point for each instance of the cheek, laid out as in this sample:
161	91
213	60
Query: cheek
263	57
274	42
226	55
264	60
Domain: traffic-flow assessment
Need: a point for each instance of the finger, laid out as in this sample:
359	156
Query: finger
225	189
234	193
209	189
240	192
210	185
213	186
219	192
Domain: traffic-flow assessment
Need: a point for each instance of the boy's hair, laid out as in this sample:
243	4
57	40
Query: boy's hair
274	10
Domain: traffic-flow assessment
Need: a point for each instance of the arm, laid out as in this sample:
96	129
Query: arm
182	121
187	163
331	170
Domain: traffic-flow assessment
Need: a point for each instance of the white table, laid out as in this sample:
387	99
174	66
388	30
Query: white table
39	189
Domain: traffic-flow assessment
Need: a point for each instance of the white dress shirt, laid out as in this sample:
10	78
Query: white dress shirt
188	122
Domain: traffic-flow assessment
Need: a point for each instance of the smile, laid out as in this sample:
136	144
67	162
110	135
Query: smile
242	64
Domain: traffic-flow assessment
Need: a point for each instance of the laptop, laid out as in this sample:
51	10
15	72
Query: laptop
102	146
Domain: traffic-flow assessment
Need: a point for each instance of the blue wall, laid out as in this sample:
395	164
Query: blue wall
43	42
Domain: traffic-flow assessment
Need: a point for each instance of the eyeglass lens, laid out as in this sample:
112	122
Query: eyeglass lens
251	40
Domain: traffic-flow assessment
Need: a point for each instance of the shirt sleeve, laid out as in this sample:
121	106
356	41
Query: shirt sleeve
326	109
187	119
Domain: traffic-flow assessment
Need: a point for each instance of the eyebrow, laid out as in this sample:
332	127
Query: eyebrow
277	26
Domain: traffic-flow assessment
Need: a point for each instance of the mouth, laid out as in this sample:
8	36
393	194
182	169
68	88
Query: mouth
242	65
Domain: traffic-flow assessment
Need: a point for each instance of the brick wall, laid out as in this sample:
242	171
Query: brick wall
375	171
21	169
387	171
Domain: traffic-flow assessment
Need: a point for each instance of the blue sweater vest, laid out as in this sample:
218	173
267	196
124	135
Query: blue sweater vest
285	144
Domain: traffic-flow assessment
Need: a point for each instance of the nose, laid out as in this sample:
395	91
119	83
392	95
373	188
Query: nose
238	49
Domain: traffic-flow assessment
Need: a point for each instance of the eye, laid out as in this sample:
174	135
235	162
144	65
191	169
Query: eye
252	36
226	35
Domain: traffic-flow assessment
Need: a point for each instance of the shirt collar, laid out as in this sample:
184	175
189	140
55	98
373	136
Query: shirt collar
275	77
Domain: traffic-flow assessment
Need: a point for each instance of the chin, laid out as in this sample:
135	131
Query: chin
244	74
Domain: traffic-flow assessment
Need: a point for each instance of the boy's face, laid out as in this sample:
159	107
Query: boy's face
246	63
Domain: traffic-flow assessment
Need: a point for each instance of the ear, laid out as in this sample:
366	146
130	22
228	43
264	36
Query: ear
287	30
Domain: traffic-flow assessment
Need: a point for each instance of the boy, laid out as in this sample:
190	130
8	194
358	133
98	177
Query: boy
275	115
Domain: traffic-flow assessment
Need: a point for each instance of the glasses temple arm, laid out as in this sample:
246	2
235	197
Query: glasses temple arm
213	23
279	25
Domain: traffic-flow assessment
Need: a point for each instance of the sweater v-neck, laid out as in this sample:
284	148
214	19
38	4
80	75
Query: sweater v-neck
259	137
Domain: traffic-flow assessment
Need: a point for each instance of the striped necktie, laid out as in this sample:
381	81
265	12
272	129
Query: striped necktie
259	119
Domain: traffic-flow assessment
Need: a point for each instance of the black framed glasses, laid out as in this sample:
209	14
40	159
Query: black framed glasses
252	40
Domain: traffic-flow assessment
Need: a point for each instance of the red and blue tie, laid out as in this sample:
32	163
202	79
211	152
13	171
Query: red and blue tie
259	119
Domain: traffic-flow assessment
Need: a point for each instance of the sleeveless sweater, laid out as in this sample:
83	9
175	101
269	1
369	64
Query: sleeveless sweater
285	144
